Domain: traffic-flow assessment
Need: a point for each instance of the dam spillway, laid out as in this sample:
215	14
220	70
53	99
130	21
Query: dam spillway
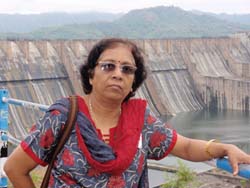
184	74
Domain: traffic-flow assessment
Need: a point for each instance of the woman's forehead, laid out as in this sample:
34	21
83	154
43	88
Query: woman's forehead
118	51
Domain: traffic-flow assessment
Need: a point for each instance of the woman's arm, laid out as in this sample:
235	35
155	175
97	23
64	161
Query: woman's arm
17	168
200	150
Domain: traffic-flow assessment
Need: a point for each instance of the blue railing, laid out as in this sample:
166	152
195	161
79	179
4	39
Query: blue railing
5	100
4	138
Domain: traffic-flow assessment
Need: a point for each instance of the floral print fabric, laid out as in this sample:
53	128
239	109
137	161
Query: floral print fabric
71	168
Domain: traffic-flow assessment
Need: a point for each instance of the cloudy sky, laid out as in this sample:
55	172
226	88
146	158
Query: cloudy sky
116	6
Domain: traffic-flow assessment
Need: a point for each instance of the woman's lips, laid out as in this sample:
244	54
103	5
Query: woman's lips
115	86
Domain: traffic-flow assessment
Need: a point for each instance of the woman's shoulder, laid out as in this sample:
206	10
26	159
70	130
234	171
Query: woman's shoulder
61	104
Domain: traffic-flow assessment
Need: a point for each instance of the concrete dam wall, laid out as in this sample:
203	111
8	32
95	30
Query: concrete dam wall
184	75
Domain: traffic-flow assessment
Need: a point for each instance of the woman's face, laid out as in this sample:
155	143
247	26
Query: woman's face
114	73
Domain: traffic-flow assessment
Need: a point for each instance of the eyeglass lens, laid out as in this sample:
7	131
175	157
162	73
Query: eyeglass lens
108	67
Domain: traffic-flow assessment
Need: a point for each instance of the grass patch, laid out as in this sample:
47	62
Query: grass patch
183	178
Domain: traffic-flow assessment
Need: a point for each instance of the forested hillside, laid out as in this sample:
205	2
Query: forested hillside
150	23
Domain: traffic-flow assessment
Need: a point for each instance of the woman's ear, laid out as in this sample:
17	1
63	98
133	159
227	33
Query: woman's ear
90	81
91	74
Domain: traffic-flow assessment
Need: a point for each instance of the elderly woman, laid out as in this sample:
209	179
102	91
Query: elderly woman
114	135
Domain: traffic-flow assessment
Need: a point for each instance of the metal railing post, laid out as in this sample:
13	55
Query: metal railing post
3	136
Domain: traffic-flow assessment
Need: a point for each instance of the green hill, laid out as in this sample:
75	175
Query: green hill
157	22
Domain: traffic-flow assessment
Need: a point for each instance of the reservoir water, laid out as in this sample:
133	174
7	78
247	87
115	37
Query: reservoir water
226	126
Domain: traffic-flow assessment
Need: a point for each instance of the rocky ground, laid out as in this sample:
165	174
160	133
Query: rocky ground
205	177
221	179
217	179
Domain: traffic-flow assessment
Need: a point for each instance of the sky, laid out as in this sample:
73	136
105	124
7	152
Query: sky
121	6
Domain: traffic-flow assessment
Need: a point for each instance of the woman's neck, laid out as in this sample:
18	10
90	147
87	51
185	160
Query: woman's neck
103	106
104	113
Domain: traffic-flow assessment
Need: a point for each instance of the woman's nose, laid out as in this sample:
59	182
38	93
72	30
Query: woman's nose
117	73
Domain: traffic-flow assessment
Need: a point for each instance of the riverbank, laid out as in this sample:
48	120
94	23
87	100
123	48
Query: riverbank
204	177
218	179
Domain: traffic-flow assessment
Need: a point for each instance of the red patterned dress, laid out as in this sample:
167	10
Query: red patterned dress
86	160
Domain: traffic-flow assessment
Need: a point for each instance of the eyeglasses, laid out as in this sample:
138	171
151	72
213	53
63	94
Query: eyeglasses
108	66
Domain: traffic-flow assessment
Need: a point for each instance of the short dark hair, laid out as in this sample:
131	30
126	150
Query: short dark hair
86	70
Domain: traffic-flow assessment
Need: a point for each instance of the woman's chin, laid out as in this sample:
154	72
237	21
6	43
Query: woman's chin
116	96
